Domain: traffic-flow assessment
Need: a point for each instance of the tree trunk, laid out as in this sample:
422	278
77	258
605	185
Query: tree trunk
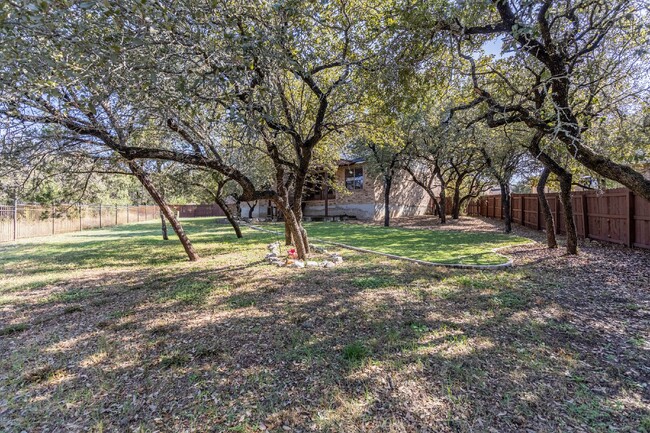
455	204
287	233
388	182
505	207
565	190
166	210
443	205
546	209
224	207
238	206
565	198
163	225
436	206
251	209
296	231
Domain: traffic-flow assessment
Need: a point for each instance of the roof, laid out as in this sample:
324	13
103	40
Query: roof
351	160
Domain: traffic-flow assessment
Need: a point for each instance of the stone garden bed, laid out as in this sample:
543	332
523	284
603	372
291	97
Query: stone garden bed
288	258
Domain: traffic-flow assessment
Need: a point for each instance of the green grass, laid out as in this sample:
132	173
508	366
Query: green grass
355	352
439	246
229	341
32	264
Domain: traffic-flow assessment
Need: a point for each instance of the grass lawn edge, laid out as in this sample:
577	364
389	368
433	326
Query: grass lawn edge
507	264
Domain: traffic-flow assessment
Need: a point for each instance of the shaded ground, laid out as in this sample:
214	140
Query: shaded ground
112	331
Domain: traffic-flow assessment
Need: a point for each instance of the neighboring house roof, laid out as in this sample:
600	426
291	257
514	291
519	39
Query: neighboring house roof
351	160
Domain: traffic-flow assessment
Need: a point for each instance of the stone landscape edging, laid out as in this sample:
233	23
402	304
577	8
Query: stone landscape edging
508	264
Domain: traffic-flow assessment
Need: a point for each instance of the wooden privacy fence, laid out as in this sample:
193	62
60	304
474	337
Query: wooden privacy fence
198	210
616	215
28	221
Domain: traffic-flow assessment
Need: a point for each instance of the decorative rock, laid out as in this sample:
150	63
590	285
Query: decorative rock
297	264
318	250
336	258
327	264
271	255
311	263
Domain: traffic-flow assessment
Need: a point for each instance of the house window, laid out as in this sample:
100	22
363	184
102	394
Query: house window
354	178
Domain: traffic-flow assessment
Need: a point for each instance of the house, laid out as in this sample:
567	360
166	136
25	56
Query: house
356	195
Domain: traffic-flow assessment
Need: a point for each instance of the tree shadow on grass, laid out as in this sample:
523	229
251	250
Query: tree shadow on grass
436	350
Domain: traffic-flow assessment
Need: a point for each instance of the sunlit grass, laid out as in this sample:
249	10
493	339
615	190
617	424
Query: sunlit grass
439	246
35	263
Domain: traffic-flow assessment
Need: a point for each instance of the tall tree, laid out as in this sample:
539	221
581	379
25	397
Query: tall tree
573	63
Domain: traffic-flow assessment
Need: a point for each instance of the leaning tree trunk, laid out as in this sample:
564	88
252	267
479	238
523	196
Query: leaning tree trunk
224	207
565	198
388	182
294	227
166	210
297	213
506	207
251	209
163	226
546	209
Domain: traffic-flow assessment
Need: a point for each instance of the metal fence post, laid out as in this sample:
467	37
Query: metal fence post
15	218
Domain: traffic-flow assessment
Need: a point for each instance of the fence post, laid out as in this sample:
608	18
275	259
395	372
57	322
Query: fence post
523	210
630	219
100	215
539	215
585	217
15	218
558	205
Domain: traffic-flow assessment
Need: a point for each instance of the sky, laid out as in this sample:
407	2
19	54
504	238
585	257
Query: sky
493	47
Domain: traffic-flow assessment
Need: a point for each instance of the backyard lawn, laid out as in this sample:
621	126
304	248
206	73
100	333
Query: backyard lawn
448	247
114	330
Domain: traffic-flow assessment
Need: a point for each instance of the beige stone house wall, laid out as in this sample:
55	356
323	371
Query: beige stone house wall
407	198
